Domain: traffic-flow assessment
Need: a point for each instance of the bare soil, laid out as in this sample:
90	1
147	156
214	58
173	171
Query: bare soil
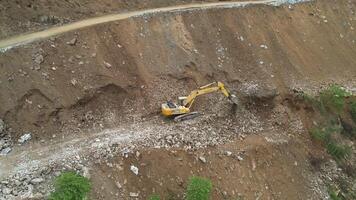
116	75
28	16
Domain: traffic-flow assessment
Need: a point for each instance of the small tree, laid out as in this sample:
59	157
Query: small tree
199	189
70	186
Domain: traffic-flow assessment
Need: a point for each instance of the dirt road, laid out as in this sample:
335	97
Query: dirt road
26	38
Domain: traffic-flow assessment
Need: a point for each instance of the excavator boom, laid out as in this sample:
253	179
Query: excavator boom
210	88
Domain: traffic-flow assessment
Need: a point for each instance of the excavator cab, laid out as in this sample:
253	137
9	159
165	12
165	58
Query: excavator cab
181	100
181	111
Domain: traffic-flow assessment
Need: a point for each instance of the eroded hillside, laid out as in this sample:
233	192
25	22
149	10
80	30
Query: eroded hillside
89	95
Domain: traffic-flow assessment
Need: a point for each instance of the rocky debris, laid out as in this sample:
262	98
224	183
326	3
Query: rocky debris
38	59
256	91
125	152
24	138
5	151
228	153
37	180
239	158
2	126
46	19
202	159
134	169
127	140
133	194
118	185
263	46
137	154
5	140
72	42
74	82
108	65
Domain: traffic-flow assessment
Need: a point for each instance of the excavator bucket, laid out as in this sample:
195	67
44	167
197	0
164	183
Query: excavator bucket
234	99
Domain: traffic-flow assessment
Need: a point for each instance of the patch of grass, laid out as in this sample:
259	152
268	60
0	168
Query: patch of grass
324	134
333	98
154	197
199	189
70	186
353	110
310	100
333	194
339	152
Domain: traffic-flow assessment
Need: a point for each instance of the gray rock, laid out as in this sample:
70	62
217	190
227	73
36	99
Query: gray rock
72	42
134	169
17	183
5	151
228	153
2	126
133	194
202	159
37	180
24	138
6	191
2	143
118	185
39	59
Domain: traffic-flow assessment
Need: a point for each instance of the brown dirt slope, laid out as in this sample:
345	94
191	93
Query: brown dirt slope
116	75
127	68
28	15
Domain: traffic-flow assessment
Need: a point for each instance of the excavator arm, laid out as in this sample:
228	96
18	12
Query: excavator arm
210	88
182	109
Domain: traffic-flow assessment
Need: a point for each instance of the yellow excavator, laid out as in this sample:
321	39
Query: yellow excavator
181	111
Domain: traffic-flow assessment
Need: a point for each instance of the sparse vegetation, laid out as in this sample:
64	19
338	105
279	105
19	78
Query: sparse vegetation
330	104
70	186
333	98
313	101
199	189
154	197
333	194
325	135
339	152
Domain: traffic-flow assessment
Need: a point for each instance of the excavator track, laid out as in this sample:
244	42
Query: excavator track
187	116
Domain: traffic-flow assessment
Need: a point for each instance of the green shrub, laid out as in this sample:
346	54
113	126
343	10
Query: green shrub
333	98
312	101
333	195
199	189
353	110
70	186
324	134
320	135
339	152
154	197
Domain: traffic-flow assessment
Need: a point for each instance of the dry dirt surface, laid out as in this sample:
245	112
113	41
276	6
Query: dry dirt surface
90	99
28	16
